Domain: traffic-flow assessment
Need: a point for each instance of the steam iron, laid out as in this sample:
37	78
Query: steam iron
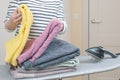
98	52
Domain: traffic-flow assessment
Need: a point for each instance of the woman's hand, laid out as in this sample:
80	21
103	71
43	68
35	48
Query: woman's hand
14	20
16	17
62	27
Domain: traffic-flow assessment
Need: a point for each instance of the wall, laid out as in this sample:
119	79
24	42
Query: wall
4	35
67	11
76	27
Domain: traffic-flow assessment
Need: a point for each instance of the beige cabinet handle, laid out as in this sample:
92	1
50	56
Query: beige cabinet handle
94	21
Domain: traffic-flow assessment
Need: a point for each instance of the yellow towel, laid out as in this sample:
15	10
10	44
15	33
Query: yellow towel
16	44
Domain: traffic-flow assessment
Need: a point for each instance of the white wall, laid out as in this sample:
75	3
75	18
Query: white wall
67	11
4	35
3	9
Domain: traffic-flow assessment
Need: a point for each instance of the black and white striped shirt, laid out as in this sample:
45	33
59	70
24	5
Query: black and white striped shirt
43	11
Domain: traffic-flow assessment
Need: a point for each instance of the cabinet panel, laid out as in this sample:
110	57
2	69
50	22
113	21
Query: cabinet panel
74	78
104	24
110	75
104	31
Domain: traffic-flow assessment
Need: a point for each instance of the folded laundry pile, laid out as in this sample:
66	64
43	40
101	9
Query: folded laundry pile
68	66
45	55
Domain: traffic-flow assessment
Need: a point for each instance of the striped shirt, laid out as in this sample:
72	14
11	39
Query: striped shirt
43	12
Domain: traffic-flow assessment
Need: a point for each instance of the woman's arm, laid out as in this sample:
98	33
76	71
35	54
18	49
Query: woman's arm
13	16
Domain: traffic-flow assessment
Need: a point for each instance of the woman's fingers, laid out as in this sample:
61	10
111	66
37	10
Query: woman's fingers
17	15
17	19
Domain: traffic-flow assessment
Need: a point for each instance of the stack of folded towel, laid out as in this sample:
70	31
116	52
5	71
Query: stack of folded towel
67	66
44	55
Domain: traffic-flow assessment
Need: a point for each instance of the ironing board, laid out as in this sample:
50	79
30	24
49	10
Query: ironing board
87	66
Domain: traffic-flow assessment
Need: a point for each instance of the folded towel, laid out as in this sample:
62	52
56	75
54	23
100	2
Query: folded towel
57	52
72	62
48	69
40	73
15	45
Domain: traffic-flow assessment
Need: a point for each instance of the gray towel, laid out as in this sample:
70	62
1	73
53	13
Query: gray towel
57	52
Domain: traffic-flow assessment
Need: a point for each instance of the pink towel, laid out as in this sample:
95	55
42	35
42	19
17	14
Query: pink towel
41	73
40	44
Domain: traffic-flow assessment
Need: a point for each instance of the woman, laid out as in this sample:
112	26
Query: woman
43	12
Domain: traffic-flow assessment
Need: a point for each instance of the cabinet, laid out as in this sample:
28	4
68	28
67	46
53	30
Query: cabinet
110	75
104	22
104	31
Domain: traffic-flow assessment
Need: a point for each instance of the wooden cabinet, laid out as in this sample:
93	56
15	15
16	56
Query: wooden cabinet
110	75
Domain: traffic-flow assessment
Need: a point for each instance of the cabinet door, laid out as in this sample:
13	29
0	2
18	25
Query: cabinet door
104	24
104	30
110	75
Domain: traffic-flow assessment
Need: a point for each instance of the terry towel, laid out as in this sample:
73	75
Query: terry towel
41	73
16	44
